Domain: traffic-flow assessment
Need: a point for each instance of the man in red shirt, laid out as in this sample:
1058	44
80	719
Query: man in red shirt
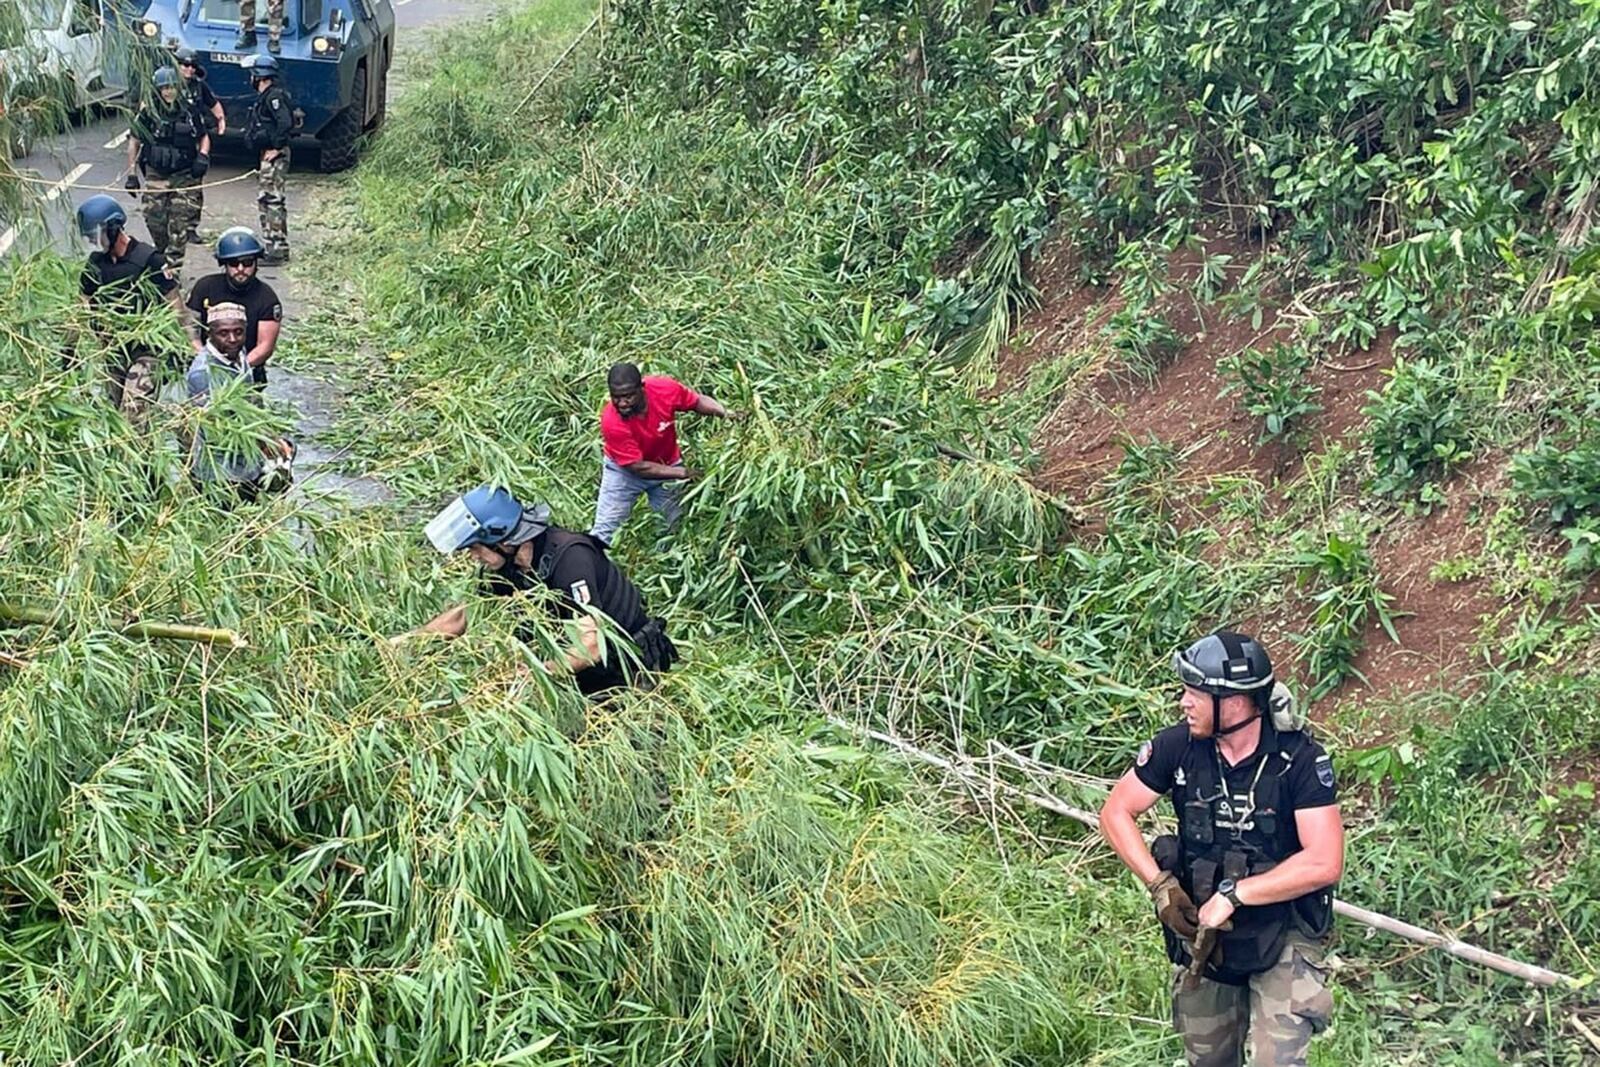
639	434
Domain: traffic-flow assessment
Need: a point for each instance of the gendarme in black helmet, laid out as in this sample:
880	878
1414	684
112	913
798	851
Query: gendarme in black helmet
1226	664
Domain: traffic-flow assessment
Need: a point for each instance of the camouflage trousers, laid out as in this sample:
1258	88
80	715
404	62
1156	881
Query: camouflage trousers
132	387
272	183
247	19
171	210
1277	1013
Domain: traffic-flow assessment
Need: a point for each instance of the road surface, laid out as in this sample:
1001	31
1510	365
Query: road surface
92	158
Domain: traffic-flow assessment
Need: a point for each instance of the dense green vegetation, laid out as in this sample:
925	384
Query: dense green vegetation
326	849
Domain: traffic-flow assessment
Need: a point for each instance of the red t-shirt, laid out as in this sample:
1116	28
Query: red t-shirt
654	435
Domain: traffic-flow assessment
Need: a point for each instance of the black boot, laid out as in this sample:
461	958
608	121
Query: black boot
246	41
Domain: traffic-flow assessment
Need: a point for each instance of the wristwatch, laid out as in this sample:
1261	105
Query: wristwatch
1230	889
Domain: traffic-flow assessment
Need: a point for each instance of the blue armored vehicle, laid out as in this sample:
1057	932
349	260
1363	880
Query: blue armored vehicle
335	57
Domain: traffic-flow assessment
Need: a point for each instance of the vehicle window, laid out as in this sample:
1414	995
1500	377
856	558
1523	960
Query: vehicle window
42	14
310	14
228	11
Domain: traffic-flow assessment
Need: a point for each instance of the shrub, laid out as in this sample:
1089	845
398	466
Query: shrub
1419	429
1273	387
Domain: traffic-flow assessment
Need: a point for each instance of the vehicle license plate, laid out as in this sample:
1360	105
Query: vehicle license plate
228	57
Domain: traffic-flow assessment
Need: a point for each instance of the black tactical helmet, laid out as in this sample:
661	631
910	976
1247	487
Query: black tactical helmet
1226	664
1223	664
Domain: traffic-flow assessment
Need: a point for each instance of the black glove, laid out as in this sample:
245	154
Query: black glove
132	185
1174	907
201	164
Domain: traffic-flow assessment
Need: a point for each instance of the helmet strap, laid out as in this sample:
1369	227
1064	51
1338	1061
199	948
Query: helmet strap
1217	729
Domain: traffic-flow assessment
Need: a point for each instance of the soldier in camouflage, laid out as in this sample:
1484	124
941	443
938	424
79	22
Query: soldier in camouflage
1244	890
267	130
168	143
247	26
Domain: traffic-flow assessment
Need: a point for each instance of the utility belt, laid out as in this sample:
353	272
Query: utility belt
1259	930
261	138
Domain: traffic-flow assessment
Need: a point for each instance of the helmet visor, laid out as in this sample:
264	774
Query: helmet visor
1192	676
453	528
1195	678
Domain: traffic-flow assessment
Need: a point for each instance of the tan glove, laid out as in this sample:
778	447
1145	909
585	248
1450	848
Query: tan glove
1176	910
1207	949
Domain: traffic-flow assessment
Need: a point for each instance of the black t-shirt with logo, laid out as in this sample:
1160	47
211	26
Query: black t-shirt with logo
1309	782
199	93
260	303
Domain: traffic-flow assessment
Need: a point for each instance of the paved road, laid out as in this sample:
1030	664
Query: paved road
69	167
72	166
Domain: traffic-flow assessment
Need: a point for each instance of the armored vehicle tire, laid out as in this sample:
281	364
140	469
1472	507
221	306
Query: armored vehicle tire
342	137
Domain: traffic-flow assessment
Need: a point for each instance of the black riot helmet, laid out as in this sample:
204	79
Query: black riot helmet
1227	664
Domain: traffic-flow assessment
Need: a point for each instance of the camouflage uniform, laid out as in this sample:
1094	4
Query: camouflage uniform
1278	1012
247	20
273	182
132	388
268	129
171	211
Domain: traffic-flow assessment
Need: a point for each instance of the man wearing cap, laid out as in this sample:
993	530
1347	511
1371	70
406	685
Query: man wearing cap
238	253
520	550
639	435
221	365
1244	890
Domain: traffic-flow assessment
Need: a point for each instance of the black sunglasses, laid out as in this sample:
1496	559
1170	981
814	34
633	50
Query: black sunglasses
185	62
241	263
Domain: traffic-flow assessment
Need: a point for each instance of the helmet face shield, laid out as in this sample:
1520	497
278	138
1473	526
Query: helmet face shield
453	529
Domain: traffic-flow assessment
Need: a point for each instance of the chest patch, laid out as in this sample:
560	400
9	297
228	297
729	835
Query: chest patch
580	591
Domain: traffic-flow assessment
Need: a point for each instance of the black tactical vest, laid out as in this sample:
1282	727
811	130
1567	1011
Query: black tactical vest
618	597
1220	838
174	141
260	132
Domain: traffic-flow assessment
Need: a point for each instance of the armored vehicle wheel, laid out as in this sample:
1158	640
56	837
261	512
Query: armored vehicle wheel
341	138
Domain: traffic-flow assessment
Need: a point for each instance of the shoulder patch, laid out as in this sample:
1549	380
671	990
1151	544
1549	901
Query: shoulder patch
580	591
1325	770
277	312
1144	754
276	103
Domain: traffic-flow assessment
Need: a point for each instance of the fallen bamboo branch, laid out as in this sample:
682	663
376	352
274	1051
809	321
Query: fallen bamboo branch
1482	957
16	663
1588	1034
562	58
170	631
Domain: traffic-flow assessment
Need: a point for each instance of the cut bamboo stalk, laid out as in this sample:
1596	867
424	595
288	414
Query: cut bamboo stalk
16	663
170	631
1588	1034
1528	972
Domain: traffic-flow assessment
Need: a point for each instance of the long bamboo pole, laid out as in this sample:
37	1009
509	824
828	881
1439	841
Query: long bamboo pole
18	613
1528	972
